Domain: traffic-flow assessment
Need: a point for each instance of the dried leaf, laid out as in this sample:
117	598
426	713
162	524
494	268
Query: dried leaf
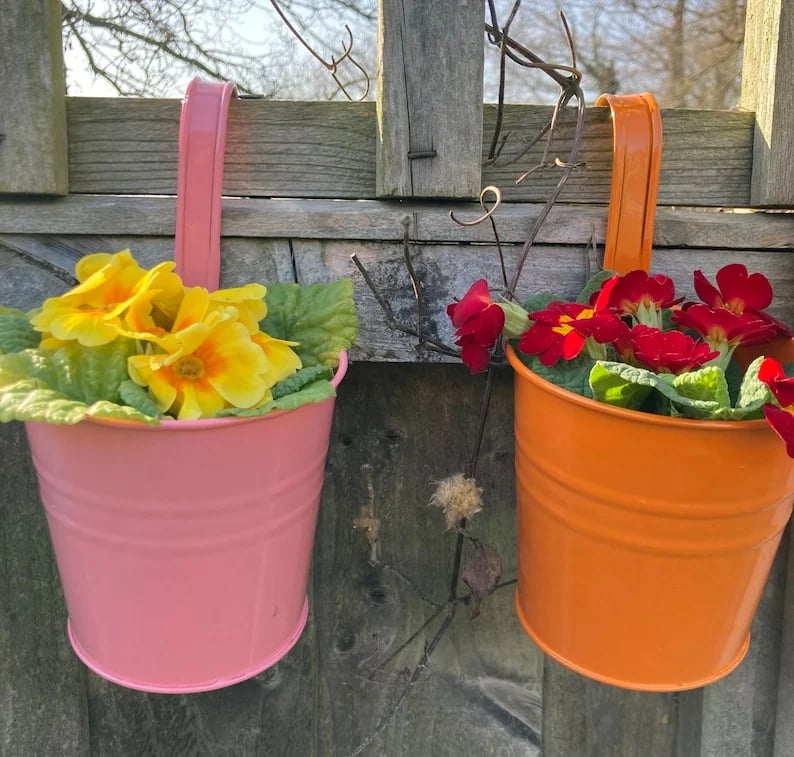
481	572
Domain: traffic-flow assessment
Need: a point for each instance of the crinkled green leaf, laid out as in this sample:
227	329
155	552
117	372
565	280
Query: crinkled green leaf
593	285
753	394
317	391
321	317
752	389
31	389
302	378
687	406
16	333
139	398
91	374
572	375
28	401
615	389
706	384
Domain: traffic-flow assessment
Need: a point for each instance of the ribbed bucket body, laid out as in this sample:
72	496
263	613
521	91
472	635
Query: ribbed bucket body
644	542
184	549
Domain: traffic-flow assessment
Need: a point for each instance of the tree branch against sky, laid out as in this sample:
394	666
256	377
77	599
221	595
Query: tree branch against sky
153	47
688	52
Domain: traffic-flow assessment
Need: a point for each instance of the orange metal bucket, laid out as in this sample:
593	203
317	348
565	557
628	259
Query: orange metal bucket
644	542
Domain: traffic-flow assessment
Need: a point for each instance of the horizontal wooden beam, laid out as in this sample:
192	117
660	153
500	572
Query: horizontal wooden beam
328	150
374	220
36	266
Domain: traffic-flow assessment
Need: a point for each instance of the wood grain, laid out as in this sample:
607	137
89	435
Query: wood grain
767	73
375	220
429	109
32	93
446	272
327	150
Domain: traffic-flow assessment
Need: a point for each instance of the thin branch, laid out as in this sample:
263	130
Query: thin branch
333	65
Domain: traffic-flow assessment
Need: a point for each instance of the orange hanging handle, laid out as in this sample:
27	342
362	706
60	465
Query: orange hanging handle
636	162
202	144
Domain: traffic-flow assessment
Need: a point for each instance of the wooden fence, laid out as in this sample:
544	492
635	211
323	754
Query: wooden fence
309	184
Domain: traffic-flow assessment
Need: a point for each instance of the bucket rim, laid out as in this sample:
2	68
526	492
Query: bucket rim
636	416
172	424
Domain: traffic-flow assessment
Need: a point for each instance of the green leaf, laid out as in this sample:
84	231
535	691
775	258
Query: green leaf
321	317
302	378
685	405
317	391
16	333
706	384
539	302
28	401
752	396
90	374
593	285
615	389
572	375
31	389
139	398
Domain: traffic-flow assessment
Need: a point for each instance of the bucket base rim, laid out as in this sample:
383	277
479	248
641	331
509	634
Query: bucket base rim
192	688
623	684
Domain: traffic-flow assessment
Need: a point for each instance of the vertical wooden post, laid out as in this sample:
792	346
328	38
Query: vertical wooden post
430	69
33	158
768	89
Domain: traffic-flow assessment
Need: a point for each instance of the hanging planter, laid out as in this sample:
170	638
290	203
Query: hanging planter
183	543
652	484
644	542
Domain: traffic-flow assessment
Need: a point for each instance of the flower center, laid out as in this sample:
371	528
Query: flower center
189	368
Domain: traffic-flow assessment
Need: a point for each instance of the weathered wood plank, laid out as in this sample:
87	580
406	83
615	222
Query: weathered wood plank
375	220
295	149
583	718
480	693
43	707
32	91
430	69
446	271
738	715
784	711
767	74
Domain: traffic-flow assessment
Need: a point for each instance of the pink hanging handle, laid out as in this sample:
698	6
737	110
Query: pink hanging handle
636	163
202	143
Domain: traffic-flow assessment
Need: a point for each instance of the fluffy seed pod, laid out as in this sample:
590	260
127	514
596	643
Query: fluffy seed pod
458	497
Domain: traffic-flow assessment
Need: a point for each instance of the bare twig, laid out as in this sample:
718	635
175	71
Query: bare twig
333	65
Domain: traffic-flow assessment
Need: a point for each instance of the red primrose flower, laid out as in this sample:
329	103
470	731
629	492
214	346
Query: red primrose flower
478	323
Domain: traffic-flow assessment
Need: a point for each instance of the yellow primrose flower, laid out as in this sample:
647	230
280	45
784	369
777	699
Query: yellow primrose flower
282	360
216	366
91	312
207	363
248	300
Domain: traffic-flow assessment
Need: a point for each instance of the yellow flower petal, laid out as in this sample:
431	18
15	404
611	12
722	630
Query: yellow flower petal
247	300
281	358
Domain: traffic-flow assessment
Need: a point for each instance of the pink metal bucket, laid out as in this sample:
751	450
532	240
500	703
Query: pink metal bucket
184	549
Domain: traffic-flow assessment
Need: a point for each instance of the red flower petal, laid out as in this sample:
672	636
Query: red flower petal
473	355
770	370
707	291
486	326
741	291
572	345
782	424
473	302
